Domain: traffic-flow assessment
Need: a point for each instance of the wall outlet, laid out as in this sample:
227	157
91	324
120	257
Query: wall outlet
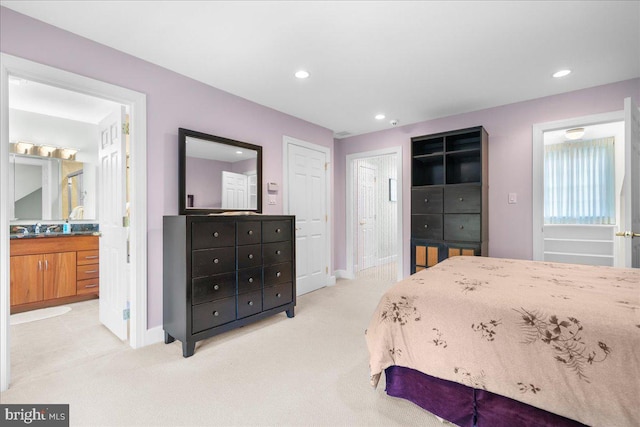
513	198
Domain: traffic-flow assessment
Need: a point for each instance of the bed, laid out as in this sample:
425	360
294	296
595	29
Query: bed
502	342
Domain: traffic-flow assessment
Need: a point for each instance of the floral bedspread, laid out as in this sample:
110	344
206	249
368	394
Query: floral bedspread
561	337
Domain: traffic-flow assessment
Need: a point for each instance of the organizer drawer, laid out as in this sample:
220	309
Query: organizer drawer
249	232
249	256
88	286
249	279
465	227
213	234
277	295
465	199
88	271
276	231
274	253
214	313
278	273
207	262
211	288
88	257
426	200
249	304
426	226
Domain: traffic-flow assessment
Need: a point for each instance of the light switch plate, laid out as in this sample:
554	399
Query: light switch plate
513	198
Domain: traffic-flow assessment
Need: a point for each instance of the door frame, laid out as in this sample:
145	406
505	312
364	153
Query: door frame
286	142
349	191
538	131
19	67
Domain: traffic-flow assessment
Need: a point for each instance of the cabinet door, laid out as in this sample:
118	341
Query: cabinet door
59	275
26	278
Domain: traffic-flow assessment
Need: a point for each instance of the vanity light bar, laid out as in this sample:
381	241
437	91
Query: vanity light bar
29	149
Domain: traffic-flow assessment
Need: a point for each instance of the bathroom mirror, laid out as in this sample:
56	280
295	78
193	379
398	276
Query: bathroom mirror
51	189
217	174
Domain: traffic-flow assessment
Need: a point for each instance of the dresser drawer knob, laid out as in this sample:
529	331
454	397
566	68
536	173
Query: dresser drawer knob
250	302
461	199
250	256
250	279
426	200
250	232
461	227
278	274
278	230
216	287
278	252
216	314
426	226
216	260
216	234
278	295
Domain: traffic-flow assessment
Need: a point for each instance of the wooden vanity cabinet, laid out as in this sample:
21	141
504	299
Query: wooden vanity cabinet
45	271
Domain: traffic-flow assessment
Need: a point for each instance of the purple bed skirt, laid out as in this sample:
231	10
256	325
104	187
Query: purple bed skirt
466	406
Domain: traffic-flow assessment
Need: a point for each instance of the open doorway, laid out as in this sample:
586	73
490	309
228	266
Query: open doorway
133	292
374	213
578	182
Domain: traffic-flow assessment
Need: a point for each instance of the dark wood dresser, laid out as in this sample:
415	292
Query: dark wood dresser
225	271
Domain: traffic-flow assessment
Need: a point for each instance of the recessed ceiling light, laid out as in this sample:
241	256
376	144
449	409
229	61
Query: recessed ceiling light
302	74
380	116
238	152
561	73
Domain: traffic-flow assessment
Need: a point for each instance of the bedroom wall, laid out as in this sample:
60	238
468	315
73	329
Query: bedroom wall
510	161
173	101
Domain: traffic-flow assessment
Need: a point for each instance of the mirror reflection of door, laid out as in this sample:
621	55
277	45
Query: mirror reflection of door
234	190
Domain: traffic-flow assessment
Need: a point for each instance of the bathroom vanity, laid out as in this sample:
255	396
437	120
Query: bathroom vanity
48	270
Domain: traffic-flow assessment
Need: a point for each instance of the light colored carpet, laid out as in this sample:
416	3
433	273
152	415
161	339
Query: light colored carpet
40	314
311	370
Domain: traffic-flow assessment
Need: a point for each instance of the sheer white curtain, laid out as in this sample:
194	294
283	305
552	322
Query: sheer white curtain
579	182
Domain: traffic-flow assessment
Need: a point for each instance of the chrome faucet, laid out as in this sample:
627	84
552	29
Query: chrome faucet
51	228
24	230
37	230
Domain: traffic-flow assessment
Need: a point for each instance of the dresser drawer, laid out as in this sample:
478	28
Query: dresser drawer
274	253
213	288
426	226
88	257
465	227
278	273
213	234
88	271
426	200
249	256
276	231
249	279
277	295
88	286
210	314
463	199
249	232
249	304
207	262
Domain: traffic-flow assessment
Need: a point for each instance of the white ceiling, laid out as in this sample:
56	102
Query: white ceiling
411	60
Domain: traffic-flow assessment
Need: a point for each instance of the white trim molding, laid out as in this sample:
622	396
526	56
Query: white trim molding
349	272
15	66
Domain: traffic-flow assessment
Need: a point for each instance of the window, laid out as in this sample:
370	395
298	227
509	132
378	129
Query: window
579	181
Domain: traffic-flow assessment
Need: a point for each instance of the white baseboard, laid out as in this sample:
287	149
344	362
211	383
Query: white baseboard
344	274
331	280
153	336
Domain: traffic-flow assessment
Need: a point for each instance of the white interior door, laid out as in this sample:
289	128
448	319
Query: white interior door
111	212
630	196
308	202
367	204
234	190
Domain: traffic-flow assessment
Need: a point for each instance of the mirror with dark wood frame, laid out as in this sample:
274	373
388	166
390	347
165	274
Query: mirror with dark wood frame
218	174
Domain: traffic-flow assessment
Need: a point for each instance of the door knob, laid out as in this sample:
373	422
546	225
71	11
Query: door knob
627	234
